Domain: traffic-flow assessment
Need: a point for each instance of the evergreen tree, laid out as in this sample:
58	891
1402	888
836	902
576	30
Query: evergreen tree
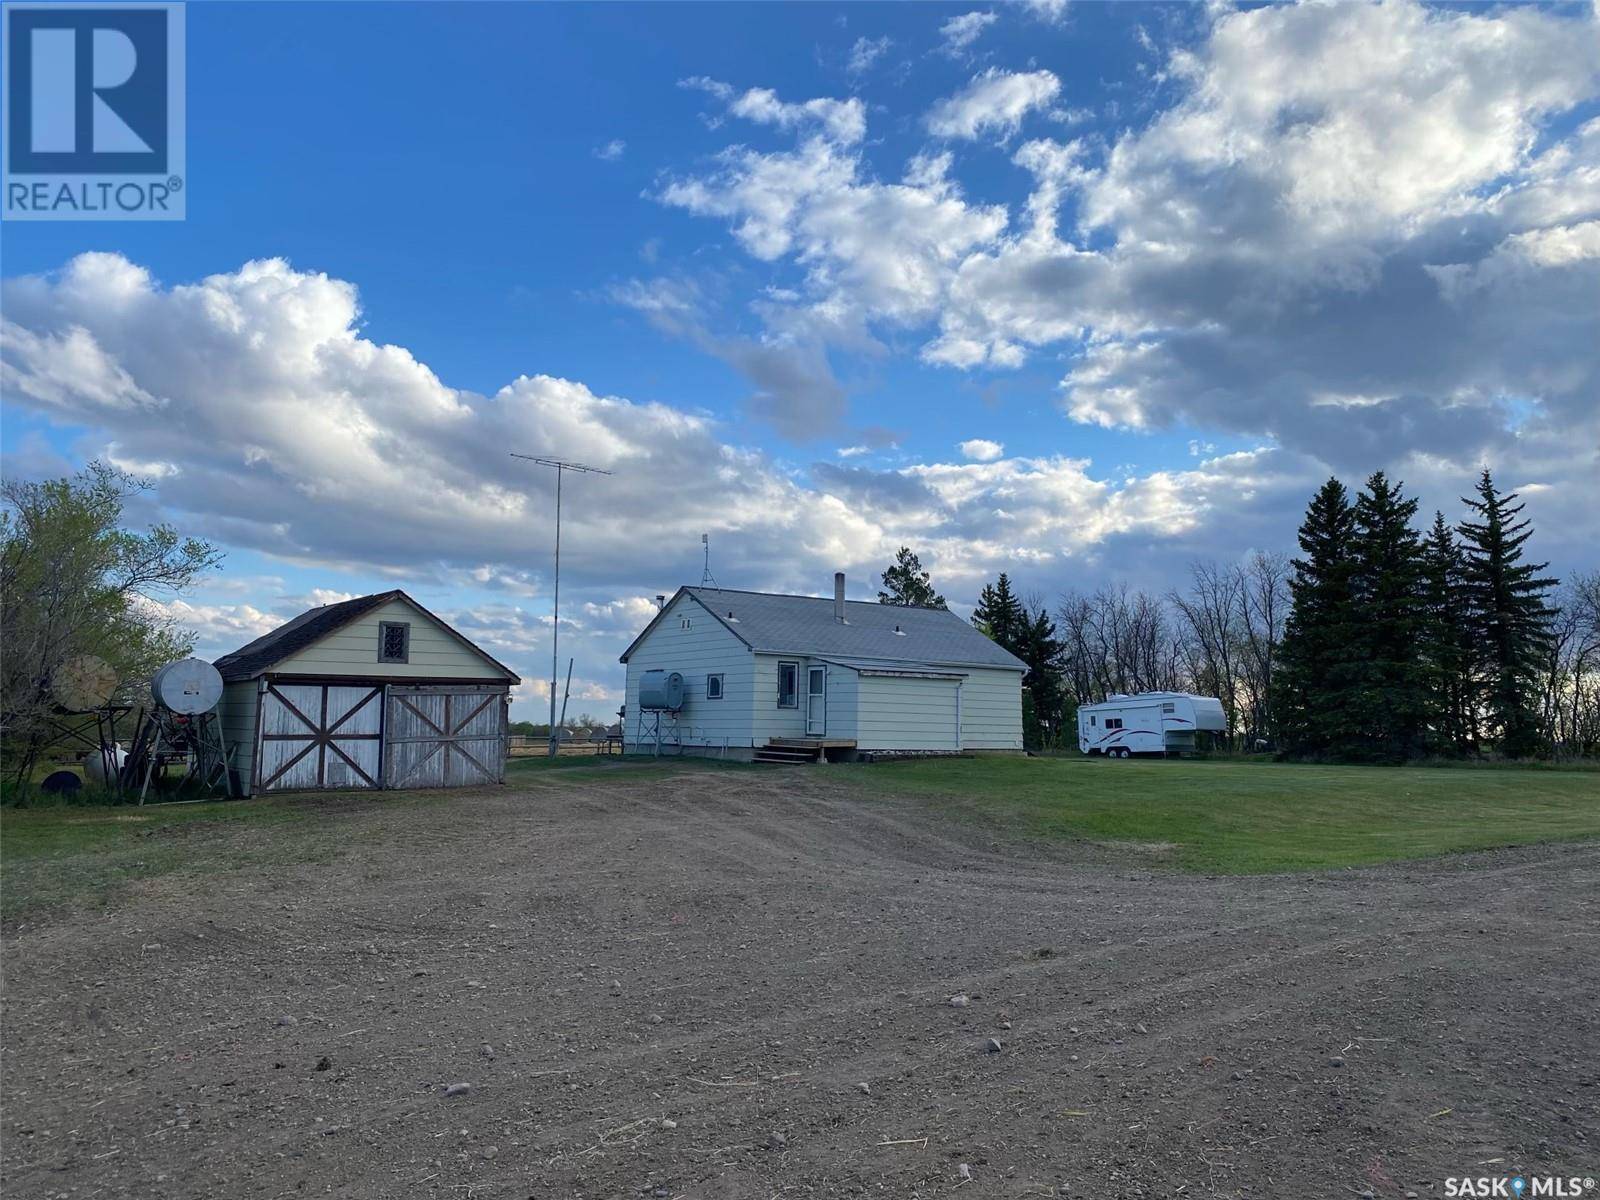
907	584
1000	614
1443	644
1505	615
1041	650
1315	674
1388	696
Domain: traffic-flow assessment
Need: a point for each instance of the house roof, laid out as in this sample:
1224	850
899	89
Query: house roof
805	625
314	624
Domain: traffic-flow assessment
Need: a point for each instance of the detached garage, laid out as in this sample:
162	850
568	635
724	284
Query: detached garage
374	692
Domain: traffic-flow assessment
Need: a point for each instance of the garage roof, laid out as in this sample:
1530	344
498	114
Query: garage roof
805	625
314	624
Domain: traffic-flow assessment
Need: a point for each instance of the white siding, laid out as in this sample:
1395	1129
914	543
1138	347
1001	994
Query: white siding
844	689
237	713
436	653
899	713
706	647
991	710
770	720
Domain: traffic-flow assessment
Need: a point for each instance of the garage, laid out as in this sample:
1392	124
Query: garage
373	692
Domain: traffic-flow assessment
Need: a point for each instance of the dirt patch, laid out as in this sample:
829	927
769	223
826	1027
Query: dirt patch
738	983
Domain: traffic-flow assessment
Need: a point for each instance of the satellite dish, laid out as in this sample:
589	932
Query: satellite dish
189	686
83	682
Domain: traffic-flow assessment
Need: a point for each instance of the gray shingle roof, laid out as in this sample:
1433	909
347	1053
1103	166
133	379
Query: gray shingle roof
805	625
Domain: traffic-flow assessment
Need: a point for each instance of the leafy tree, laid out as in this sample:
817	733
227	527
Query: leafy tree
1505	615
1315	674
1000	614
1443	645
74	582
1389	698
907	584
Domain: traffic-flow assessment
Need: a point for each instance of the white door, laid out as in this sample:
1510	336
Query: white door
816	701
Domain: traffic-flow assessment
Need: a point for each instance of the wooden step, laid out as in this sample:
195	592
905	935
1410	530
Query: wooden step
784	754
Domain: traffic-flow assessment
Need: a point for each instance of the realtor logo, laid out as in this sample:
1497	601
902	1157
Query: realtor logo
94	112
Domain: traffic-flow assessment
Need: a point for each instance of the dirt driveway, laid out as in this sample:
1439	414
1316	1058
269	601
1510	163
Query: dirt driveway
738	984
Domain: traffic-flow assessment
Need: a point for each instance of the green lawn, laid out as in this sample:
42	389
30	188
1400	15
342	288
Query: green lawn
1226	817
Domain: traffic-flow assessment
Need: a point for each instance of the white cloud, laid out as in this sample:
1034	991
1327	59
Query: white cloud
993	103
865	53
844	121
981	449
960	32
611	151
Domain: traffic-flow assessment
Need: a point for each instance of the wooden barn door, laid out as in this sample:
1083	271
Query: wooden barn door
444	737
316	735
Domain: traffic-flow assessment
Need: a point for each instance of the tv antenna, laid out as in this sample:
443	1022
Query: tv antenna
707	579
561	466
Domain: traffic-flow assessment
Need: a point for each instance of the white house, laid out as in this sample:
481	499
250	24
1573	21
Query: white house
779	678
367	693
1147	723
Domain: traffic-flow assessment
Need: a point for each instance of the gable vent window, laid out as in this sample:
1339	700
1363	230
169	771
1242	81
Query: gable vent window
685	623
713	687
394	641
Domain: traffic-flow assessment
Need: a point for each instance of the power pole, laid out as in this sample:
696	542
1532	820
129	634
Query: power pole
562	466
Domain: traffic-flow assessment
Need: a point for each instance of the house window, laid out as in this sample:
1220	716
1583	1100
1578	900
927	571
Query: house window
1113	722
394	641
713	687
788	685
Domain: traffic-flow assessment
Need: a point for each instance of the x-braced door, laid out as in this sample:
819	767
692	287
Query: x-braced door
444	736
319	736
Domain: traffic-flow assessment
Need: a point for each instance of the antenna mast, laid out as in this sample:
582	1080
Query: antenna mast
561	466
707	579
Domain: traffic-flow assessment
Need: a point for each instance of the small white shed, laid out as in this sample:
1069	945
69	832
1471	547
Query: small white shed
374	692
776	677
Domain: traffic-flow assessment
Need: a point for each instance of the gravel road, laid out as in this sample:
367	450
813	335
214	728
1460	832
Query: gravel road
740	983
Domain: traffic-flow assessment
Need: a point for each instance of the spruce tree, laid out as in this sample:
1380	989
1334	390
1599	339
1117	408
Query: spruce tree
1443	643
1041	650
905	583
1314	681
1506	616
1388	697
1000	614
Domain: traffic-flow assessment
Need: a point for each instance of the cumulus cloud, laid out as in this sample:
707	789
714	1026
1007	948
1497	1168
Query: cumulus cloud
292	434
993	103
844	121
981	449
611	151
960	32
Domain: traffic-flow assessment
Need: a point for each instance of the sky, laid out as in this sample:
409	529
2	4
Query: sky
1081	292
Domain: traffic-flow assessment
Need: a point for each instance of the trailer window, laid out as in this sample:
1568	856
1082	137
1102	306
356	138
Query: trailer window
1113	722
1091	720
1169	708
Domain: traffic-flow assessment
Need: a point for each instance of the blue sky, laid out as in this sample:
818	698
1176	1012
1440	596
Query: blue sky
789	269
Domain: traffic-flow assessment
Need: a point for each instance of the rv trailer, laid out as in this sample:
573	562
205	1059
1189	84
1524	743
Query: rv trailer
1148	723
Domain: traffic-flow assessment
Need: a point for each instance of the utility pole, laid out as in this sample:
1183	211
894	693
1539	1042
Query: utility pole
562	466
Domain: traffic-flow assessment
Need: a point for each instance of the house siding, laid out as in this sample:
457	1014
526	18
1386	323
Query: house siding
770	720
435	653
991	710
237	712
899	713
706	647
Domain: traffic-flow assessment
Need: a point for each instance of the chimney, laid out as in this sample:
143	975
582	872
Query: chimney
661	602
838	597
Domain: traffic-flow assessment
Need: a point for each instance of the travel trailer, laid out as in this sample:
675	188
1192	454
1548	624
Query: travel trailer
1149	723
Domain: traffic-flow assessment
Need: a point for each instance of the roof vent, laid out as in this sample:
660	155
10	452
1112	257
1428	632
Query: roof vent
899	632
838	597
731	617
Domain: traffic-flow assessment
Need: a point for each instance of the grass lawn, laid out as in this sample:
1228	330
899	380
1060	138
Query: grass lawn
1246	818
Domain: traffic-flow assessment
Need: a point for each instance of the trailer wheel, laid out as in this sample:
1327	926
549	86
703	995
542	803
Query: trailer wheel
1123	753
